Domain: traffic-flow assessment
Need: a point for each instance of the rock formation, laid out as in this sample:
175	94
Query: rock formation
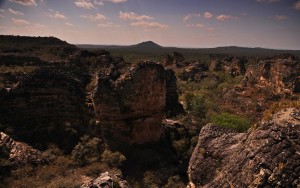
266	156
46	106
17	154
264	83
230	65
194	72
131	106
106	180
173	107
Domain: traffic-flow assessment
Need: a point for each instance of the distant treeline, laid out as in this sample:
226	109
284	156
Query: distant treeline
21	40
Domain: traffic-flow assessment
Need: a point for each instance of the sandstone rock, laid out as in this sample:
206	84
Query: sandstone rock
17	154
47	106
231	65
131	107
194	72
106	180
173	107
266	156
268	81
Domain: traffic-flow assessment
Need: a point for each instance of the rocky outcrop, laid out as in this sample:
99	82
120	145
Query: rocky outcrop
194	72
17	154
173	107
231	65
106	180
131	106
47	106
268	81
266	156
277	75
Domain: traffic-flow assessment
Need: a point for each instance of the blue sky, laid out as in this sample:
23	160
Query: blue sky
181	23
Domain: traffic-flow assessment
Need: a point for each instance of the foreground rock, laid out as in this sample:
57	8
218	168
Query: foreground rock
17	154
106	180
131	106
266	156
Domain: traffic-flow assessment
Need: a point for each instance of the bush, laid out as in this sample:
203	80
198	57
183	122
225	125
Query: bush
87	151
228	120
114	159
280	105
195	104
175	182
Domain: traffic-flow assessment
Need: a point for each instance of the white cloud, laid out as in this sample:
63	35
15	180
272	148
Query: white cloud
69	24
97	17
133	16
149	25
25	2
1	16
200	26
86	4
20	21
108	25
224	17
195	25
98	2
2	10
56	15
15	12
280	17
208	15
189	16
267	1
117	1
297	5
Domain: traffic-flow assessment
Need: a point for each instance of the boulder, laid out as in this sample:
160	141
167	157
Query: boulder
14	154
265	156
106	180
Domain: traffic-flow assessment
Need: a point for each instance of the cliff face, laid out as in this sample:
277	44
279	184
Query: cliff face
46	106
131	107
267	155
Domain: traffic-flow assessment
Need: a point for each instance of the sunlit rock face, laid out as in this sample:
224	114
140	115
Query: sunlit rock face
266	156
131	106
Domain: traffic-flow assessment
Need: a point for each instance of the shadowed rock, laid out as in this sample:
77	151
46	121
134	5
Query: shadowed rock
131	106
46	106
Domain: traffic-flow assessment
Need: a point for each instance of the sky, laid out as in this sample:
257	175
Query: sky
178	23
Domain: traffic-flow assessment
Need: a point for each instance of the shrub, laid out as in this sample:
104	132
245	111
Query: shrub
195	104
87	151
228	120
280	105
114	159
152	179
175	182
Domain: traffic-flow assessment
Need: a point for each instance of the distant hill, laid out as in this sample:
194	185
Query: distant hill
27	40
147	44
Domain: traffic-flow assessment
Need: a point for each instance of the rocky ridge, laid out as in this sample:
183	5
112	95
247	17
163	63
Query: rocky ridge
266	156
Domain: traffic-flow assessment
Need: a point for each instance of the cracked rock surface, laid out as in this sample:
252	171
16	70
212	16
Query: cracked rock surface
268	155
